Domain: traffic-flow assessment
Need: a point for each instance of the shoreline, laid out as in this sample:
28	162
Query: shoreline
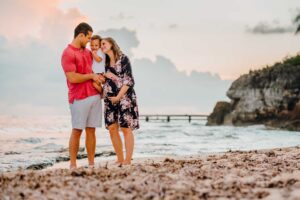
270	174
102	161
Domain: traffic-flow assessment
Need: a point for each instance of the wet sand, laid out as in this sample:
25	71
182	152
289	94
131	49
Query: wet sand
268	174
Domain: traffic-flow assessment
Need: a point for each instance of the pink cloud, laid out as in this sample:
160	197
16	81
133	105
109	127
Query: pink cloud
57	28
38	19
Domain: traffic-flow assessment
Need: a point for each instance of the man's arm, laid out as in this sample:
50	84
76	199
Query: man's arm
74	77
68	63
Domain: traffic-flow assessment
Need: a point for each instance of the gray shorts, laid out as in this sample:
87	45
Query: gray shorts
86	112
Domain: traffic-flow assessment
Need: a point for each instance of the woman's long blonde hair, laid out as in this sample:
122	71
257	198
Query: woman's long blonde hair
114	47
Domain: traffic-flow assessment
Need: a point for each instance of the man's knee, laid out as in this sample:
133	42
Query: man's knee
76	132
90	130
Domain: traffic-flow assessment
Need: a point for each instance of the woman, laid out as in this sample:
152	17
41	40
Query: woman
120	104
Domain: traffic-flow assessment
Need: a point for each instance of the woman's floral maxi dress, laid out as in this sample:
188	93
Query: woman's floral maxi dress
125	112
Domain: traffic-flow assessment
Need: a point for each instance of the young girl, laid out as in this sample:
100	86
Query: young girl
98	60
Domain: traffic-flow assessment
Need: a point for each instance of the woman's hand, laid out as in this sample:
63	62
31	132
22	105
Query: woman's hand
96	78
111	76
114	100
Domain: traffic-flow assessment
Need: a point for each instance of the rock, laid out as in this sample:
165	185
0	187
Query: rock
11	153
220	111
170	160
81	155
269	96
39	166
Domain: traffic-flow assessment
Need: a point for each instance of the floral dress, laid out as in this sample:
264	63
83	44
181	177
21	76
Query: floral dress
125	112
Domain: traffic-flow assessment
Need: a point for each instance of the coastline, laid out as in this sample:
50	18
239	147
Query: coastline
270	174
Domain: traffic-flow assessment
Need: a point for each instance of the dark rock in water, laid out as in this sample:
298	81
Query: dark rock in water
39	166
221	109
106	153
49	147
269	96
65	157
62	159
82	155
11	153
30	140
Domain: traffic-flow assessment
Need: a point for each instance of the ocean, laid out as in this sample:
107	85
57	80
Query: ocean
38	142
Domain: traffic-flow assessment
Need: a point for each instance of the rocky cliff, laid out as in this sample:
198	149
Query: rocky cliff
268	96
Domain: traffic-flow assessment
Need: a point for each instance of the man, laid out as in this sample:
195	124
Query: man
84	100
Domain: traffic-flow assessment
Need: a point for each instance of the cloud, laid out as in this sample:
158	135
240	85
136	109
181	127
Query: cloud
42	20
58	28
162	88
2	44
121	16
173	26
267	28
32	80
21	18
126	39
31	75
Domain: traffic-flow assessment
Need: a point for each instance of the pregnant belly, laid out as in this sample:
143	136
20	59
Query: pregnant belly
110	89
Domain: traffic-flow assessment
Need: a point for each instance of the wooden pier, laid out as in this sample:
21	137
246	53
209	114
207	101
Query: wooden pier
168	118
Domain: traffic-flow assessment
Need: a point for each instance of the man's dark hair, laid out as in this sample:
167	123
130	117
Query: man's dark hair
82	28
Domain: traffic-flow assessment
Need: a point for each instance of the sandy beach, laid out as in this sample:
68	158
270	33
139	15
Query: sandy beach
266	174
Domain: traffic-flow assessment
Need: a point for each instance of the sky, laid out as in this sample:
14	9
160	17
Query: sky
185	54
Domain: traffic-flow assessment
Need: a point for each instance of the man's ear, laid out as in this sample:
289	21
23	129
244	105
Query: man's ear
81	35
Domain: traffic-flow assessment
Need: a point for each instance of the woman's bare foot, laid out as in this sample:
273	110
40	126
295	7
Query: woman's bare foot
126	162
119	162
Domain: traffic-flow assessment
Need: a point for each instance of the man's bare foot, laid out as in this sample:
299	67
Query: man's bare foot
73	167
92	166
